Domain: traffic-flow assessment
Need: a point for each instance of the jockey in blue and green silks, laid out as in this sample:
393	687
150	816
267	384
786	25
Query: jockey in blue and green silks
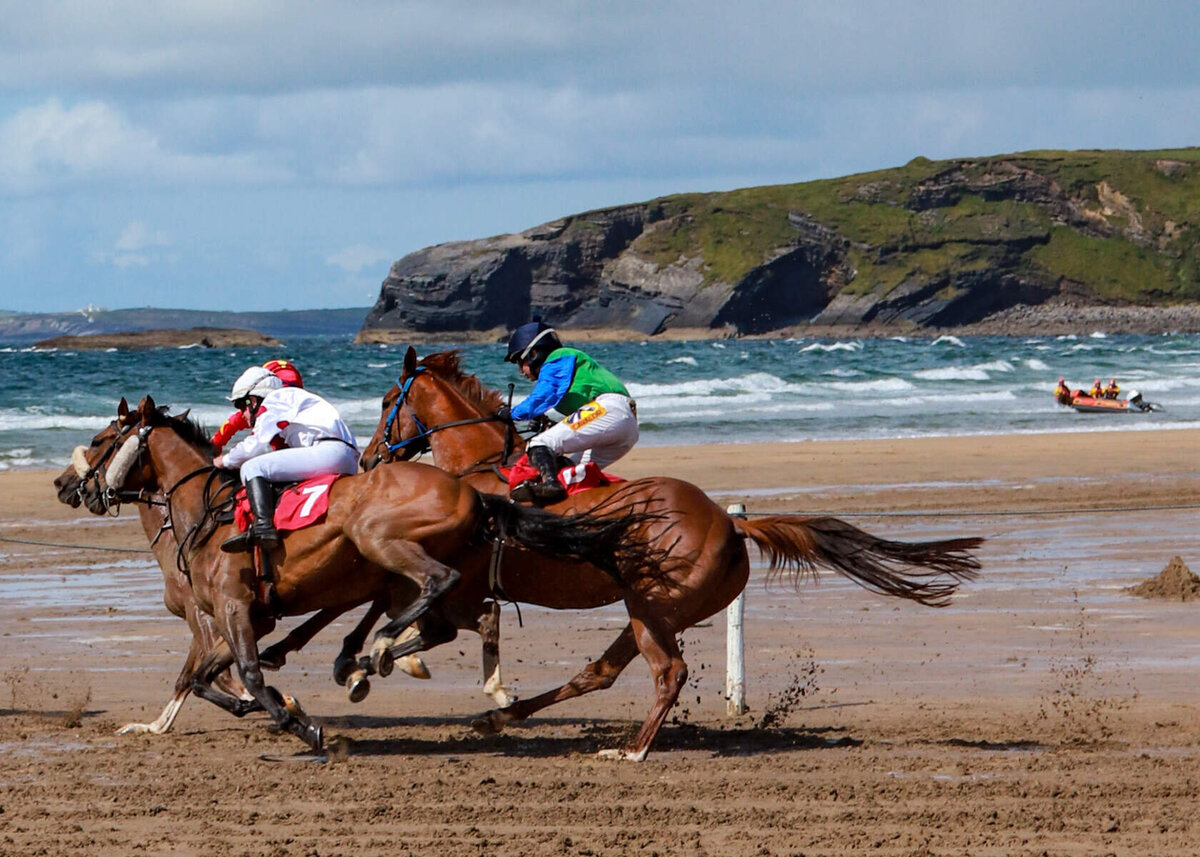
601	423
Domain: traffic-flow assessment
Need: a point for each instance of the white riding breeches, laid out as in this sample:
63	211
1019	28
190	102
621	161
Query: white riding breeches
305	462
601	431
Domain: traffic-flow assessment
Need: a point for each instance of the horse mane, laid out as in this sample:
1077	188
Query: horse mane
447	365
190	430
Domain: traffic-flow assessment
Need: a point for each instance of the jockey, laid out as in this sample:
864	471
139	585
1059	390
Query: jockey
294	435
601	425
1112	391
286	372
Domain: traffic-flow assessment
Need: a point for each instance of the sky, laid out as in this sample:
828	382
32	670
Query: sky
242	155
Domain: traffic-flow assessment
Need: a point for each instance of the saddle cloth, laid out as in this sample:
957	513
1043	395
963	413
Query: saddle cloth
300	504
576	478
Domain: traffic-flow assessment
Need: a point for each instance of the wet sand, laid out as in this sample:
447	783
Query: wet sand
1044	711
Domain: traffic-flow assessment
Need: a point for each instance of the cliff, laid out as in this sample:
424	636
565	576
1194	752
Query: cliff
927	246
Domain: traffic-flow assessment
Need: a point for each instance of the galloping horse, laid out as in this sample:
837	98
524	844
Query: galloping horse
704	564
393	536
177	597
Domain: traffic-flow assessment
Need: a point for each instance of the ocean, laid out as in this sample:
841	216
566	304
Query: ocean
718	391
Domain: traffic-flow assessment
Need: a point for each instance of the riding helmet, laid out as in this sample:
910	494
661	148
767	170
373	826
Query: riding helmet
255	381
532	342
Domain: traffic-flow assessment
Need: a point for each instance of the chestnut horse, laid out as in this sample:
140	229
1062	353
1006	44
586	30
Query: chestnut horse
393	536
177	597
705	564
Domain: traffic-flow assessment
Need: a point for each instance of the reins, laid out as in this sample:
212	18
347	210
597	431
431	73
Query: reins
423	431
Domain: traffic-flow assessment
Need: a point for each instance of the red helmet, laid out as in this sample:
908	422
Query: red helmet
1112	381
285	371
1061	381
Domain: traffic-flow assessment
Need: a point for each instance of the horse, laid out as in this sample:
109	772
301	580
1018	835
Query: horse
398	536
704	565
177	597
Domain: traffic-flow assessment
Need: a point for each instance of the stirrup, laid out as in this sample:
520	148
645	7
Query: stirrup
241	543
548	492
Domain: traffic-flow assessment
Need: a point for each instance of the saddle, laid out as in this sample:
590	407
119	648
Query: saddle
297	504
576	478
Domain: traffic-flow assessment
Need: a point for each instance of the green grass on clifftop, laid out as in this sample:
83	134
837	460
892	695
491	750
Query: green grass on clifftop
1123	224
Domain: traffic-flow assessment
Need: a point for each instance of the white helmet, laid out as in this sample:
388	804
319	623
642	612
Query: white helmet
255	381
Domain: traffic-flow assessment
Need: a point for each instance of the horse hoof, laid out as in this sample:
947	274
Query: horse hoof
382	660
489	723
314	734
358	686
292	706
622	755
414	666
344	669
134	729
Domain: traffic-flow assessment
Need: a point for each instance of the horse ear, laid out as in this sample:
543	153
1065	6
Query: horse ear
410	360
122	409
147	406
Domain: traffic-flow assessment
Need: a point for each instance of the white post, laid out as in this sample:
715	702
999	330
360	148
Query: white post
735	647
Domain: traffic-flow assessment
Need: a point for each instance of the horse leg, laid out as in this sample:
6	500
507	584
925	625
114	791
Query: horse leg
275	656
489	633
409	559
237	626
434	629
202	678
657	643
598	675
183	686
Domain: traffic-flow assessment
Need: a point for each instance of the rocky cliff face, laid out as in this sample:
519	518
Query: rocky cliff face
924	246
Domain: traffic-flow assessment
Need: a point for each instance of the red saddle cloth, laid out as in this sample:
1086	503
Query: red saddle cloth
299	506
576	478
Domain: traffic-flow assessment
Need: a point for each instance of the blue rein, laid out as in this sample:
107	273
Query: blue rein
422	431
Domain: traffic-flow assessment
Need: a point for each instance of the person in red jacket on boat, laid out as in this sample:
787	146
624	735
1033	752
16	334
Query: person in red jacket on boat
1112	391
286	372
1097	391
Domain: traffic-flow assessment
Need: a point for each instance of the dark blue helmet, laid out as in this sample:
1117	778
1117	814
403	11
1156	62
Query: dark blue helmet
537	337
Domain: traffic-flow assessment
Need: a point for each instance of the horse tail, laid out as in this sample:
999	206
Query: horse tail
605	540
927	572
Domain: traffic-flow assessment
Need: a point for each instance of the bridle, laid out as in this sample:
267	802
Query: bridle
419	442
125	454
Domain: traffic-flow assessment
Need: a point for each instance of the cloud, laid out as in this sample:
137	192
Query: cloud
353	259
137	246
51	146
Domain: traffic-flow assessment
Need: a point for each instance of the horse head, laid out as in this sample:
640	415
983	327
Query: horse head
430	395
399	436
112	462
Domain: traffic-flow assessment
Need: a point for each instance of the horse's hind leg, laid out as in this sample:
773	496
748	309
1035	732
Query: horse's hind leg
658	646
489	633
409	559
598	675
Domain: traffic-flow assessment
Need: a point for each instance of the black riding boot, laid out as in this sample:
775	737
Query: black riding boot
261	495
548	489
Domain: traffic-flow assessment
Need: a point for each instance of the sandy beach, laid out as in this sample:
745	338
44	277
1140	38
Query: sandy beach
1045	711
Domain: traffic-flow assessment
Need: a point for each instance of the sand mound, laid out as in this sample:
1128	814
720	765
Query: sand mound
1176	582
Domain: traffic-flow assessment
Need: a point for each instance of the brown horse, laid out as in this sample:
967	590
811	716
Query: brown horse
393	536
704	560
177	597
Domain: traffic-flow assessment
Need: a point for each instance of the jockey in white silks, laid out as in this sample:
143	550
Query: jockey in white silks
294	435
